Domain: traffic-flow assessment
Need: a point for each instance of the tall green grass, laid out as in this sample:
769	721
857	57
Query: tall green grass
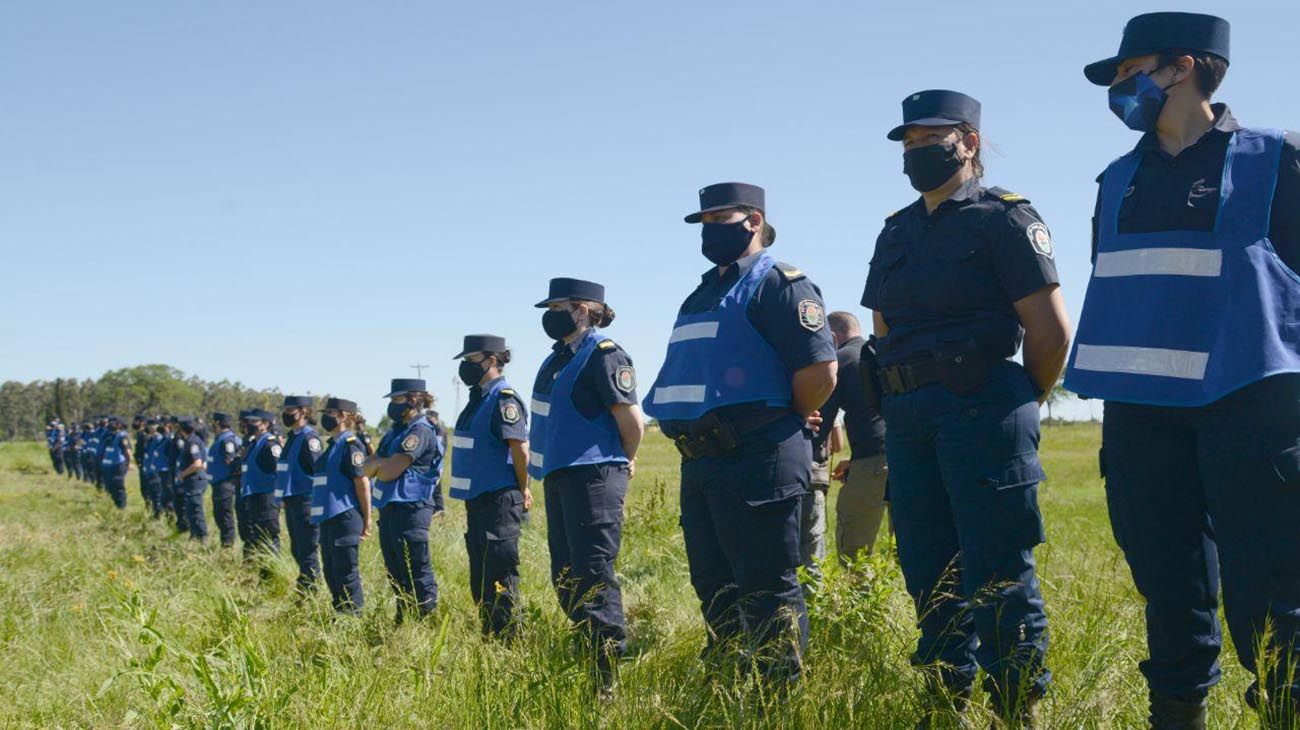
108	619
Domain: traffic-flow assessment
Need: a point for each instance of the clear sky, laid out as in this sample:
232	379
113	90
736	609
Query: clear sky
317	195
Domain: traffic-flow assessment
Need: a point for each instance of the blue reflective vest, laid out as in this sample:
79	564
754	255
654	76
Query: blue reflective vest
559	435
114	453
101	438
256	480
415	484
290	479
218	469
332	492
154	459
1183	318
717	358
480	462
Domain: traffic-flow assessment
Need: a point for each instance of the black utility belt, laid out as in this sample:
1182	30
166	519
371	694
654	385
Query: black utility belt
714	434
962	369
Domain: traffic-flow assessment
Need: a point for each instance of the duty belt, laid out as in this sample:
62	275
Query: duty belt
716	435
905	377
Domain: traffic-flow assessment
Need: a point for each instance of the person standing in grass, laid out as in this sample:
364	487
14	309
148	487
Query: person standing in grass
340	505
192	478
148	465
405	469
115	460
293	486
959	278
223	469
175	457
1190	335
55	442
586	428
261	512
749	362
72	452
489	470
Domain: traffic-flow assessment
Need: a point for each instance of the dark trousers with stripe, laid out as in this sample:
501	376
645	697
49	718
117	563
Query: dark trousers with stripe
304	539
340	541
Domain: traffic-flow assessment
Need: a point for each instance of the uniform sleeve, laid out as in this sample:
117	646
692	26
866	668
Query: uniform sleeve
871	290
230	450
195	452
270	455
613	378
1022	252
415	444
310	452
791	316
1284	224
353	458
510	422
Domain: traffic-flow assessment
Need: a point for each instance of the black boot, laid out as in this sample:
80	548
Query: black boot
1168	713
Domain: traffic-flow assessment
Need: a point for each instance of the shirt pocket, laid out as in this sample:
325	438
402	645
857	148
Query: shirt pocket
887	284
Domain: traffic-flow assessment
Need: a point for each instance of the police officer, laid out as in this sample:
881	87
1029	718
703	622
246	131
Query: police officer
860	505
72	451
440	432
167	428
489	470
101	438
1189	334
261	510
586	428
405	469
178	458
748	360
224	471
293	481
340	505
147	457
87	453
138	436
192	478
115	460
958	278
54	440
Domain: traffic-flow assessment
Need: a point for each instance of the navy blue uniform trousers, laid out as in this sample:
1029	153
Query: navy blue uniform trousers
114	481
262	513
963	490
494	523
223	509
584	528
56	458
340	540
149	486
304	539
1203	497
404	542
190	501
740	521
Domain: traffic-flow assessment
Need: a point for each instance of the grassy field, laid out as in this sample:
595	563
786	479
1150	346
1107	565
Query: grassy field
107	619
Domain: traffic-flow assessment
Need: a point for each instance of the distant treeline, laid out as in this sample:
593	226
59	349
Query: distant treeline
25	408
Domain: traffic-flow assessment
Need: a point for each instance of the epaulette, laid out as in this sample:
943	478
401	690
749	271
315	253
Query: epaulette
507	391
350	439
788	272
1007	196
891	215
607	345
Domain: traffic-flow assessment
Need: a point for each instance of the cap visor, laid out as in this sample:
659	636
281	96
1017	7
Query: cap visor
395	392
697	215
539	305
1102	73
896	134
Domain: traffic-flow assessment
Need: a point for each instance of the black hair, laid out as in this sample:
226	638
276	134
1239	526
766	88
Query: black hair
1208	68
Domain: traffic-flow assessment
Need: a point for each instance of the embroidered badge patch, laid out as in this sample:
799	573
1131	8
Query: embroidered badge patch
230	447
314	445
811	315
1040	239
510	412
275	450
358	458
410	442
194	450
625	378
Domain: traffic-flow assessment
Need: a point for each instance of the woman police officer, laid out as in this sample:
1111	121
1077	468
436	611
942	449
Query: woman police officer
405	469
957	279
489	470
340	505
586	427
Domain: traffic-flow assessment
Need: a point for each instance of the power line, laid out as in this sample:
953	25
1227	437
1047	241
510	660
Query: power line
419	370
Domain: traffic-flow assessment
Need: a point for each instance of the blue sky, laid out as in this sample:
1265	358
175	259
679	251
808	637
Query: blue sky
317	195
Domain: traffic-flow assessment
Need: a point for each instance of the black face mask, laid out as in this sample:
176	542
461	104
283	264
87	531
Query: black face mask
288	419
930	166
723	243
558	324
329	421
470	372
396	411
250	430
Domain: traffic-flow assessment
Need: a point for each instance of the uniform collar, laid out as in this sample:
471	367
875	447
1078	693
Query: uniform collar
1224	123
478	389
741	267
967	191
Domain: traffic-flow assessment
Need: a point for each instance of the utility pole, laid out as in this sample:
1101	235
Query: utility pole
419	370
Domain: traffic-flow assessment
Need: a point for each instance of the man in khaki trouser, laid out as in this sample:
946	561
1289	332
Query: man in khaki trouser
861	502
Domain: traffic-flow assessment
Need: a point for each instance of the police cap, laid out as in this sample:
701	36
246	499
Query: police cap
937	108
721	196
297	401
406	385
1159	32
482	343
563	289
340	404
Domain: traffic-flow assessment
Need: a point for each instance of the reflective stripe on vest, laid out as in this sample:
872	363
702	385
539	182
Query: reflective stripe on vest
480	462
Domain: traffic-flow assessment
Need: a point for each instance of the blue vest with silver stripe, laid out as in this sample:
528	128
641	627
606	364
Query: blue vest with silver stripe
559	435
113	455
290	479
717	358
333	493
256	480
218	469
152	452
1183	318
480	462
415	484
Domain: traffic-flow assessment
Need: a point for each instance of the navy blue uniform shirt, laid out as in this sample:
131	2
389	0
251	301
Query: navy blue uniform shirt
1182	193
954	275
597	388
509	423
354	457
309	452
270	454
863	424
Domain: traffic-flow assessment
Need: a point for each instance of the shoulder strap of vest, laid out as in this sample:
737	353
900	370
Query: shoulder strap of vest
788	272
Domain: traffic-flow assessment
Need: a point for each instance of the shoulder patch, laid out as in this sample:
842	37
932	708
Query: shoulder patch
625	378
410	442
313	444
195	450
358	458
1040	238
510	411
276	450
812	316
230	447
788	272
607	345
